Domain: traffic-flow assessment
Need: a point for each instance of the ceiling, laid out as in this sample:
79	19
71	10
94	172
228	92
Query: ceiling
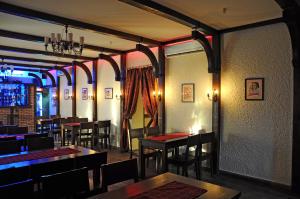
124	17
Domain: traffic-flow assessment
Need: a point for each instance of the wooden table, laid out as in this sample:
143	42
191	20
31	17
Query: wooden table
158	142
73	127
213	191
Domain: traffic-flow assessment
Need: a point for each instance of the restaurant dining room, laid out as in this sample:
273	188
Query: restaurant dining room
150	99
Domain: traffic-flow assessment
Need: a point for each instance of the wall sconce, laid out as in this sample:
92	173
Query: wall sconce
213	96
158	95
91	97
119	96
54	97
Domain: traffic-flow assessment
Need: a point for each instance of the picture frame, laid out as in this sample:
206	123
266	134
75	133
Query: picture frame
108	93
84	94
66	94
188	92
254	89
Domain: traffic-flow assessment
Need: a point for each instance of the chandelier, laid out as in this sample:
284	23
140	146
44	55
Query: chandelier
5	69
60	46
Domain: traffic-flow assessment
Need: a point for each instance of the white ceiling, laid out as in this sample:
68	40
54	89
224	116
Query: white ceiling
123	17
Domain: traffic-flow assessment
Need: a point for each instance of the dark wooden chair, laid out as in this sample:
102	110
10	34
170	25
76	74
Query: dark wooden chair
3	130
69	184
17	130
67	132
46	126
207	138
119	172
13	174
56	128
12	146
152	131
39	143
103	133
9	138
81	120
23	189
86	131
188	157
92	162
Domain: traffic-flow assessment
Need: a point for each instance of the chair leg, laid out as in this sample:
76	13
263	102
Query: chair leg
178	170
109	145
211	167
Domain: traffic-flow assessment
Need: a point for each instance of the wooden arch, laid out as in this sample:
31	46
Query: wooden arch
151	56
38	79
113	63
86	70
66	73
50	76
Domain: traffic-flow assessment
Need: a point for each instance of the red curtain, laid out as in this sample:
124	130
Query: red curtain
132	85
149	101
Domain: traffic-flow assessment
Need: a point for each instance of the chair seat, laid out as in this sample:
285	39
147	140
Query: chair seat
180	159
147	152
205	156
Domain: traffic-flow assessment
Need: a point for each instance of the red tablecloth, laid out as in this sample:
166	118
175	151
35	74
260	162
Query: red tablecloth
38	155
72	124
168	136
172	190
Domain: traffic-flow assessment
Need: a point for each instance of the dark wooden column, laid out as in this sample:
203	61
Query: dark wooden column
161	86
216	108
74	91
95	80
122	89
58	95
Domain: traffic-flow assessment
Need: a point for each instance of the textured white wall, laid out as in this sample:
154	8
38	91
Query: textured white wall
84	108
257	135
191	117
109	109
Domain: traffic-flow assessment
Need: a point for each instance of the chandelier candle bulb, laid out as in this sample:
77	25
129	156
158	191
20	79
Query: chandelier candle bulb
81	40
46	39
58	37
70	37
53	37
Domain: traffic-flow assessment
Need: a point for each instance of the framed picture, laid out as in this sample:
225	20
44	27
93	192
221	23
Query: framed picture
254	89
108	93
84	93
187	92
66	94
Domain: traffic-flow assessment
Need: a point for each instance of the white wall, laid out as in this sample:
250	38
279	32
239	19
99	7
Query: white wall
188	117
65	105
257	135
109	109
84	108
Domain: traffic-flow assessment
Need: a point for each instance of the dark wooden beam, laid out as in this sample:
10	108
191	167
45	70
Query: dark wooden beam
113	63
38	79
253	25
29	65
122	101
74	110
161	86
177	40
95	82
27	69
52	79
291	16
40	52
39	39
58	95
66	73
50	18
86	70
208	50
151	56
36	60
161	10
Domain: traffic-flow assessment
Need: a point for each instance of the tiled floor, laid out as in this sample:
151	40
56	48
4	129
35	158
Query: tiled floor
249	190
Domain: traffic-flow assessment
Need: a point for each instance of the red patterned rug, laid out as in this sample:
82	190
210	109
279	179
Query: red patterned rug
172	190
38	155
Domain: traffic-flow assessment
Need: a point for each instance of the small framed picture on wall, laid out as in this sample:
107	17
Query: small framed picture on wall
66	94
187	92
108	93
84	93
254	89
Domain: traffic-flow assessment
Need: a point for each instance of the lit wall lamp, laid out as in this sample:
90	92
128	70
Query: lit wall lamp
158	95
54	97
213	96
119	96
91	97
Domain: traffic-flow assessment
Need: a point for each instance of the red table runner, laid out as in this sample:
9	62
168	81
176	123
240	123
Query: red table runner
72	124
172	190
38	155
168	136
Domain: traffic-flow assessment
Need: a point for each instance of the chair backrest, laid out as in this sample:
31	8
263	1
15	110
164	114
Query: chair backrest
207	137
57	166
17	130
192	141
135	134
104	124
34	135
91	161
118	172
152	131
3	130
12	146
18	190
39	143
13	174
56	121
9	138
81	120
74	183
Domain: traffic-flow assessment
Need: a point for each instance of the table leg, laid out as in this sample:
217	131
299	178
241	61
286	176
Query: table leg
63	138
73	132
96	177
164	159
141	160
